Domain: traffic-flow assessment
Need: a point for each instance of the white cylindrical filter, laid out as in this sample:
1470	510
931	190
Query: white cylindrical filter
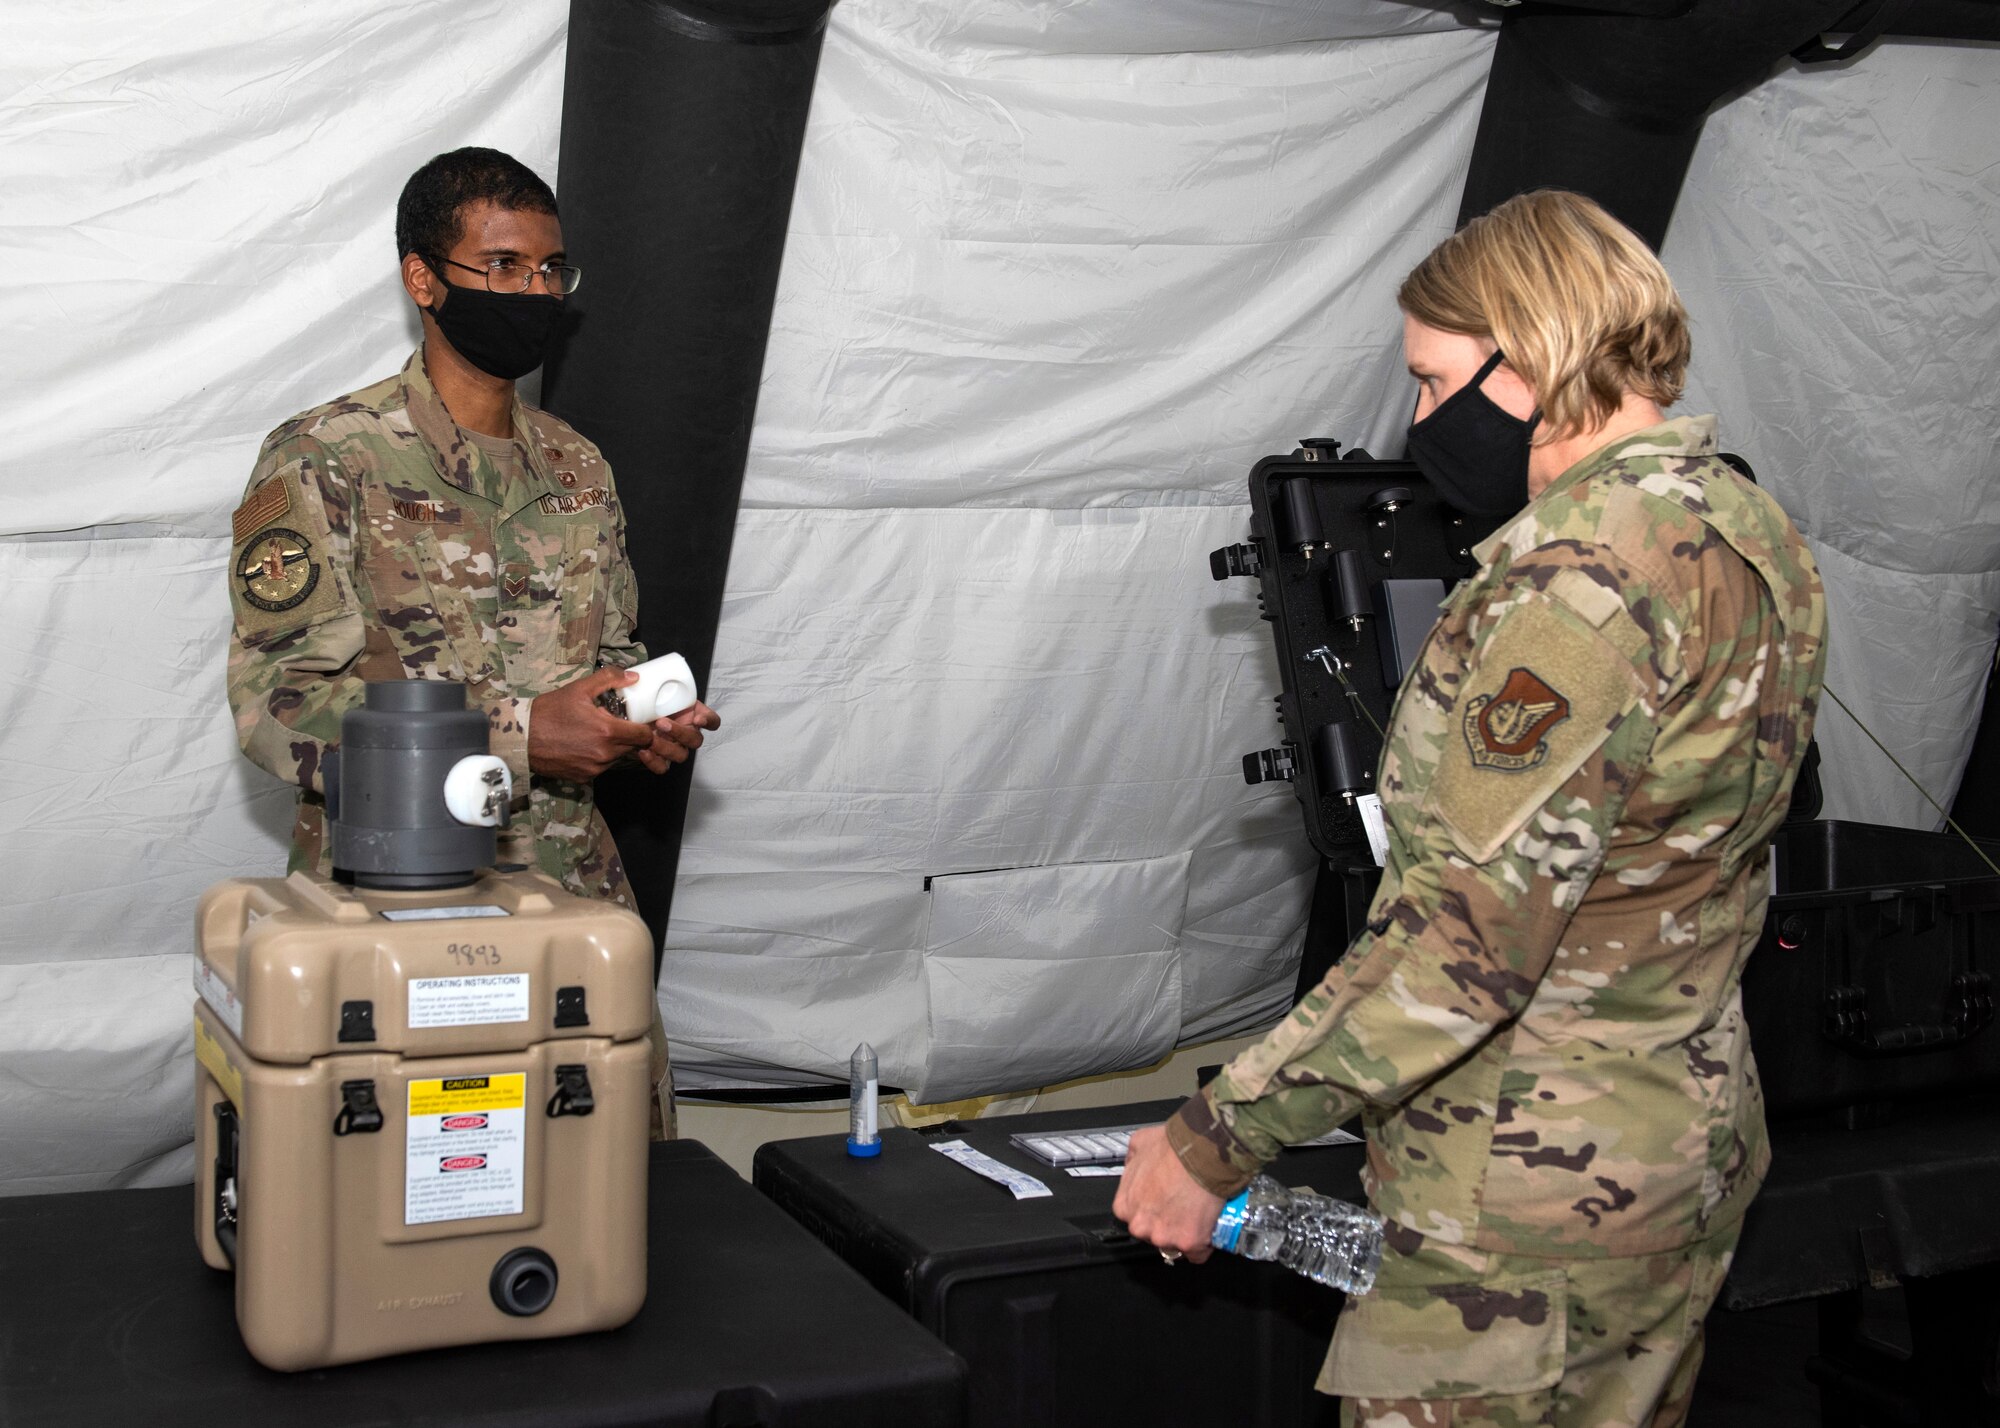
666	686
478	790
863	1136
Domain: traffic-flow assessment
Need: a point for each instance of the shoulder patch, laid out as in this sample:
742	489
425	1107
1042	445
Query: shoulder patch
1509	729
277	570
279	579
261	507
1544	690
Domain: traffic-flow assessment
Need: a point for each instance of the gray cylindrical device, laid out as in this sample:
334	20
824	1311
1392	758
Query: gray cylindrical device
391	825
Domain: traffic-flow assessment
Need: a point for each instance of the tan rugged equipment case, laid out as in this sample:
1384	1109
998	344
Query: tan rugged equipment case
403	1121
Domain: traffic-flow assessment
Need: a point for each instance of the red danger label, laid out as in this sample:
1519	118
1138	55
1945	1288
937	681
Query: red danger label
464	1122
461	1162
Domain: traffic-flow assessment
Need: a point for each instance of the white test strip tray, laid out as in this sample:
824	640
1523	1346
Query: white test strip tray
1099	1145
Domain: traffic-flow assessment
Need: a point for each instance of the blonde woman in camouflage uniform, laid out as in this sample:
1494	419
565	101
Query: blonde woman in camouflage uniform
434	526
1540	1025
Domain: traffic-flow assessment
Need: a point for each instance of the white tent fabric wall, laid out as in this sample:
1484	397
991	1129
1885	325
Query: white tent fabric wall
1049	291
198	229
1043	306
1837	248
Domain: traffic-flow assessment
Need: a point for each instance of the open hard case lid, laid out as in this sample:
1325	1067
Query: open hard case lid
1353	557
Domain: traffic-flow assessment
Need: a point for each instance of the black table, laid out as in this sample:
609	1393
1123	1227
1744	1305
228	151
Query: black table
1847	1208
108	1316
1910	1204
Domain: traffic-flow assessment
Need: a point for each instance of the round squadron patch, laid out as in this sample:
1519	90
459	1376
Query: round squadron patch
1509	730
277	570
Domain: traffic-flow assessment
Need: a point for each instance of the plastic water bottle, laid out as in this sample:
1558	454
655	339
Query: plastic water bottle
1329	1241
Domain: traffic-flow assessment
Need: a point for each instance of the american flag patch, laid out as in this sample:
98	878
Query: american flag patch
263	506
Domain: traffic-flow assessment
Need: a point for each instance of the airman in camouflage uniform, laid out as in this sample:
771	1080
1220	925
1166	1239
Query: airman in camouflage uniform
1540	1025
384	537
389	543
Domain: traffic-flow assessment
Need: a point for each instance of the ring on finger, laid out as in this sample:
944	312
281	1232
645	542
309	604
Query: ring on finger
1170	1256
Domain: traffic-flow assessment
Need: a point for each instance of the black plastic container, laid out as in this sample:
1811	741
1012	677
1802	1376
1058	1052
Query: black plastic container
1342	615
1062	1318
1873	981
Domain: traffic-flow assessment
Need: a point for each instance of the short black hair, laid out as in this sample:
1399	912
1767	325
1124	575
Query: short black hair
427	215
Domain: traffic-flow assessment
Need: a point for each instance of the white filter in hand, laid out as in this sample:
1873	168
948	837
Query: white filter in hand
666	686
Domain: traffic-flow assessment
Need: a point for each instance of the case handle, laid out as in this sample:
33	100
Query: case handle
1967	1010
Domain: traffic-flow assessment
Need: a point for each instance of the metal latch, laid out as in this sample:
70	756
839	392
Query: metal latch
1245	559
570	1007
1271	765
572	1097
357	1021
223	1211
359	1113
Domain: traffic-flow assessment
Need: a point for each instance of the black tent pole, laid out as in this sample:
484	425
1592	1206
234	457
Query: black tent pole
681	130
1611	105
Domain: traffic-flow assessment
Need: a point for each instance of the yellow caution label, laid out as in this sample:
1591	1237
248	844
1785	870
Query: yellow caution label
457	1095
208	1051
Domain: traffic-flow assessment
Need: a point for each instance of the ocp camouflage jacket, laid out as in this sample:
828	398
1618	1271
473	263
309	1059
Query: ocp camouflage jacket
377	541
1541	1023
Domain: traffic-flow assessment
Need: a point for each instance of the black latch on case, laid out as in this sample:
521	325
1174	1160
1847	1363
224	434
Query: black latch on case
1271	765
572	1097
570	1008
1245	559
359	1113
223	1211
357	1021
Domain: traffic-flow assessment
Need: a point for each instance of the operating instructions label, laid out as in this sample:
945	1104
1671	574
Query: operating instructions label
465	1150
468	1001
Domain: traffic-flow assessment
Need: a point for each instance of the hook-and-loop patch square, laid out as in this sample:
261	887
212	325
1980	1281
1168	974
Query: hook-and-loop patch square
1543	692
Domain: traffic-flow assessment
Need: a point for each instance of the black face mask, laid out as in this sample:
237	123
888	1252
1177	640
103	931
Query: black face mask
504	335
1475	454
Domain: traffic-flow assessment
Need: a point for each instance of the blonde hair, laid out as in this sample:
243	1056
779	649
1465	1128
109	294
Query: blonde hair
1578	303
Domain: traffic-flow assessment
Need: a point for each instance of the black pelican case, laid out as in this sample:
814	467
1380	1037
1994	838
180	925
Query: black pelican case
1063	1319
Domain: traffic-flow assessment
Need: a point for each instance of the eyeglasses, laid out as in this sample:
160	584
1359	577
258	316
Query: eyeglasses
504	277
